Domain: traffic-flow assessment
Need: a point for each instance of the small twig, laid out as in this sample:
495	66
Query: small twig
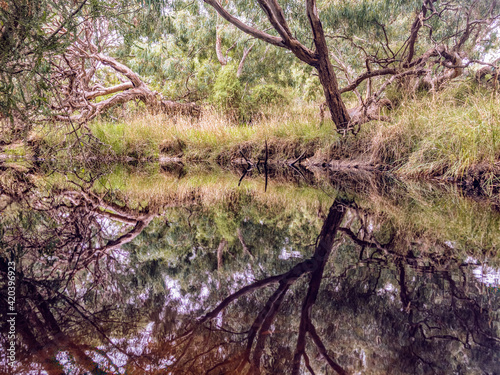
265	165
250	164
242	177
257	165
296	160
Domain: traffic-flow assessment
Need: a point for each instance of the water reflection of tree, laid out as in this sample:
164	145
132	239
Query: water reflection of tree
250	358
368	299
68	296
377	305
436	317
441	325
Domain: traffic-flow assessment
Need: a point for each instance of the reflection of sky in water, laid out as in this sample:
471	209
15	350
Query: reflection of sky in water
122	257
289	253
65	361
484	273
241	279
110	228
388	289
192	302
487	275
187	302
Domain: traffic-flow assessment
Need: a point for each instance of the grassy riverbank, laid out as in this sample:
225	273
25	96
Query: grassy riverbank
289	132
454	134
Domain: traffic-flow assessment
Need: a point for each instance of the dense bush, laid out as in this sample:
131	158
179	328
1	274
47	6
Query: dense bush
227	93
268	95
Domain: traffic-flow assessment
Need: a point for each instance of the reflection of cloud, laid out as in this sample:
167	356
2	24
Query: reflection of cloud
192	302
472	260
487	275
450	244
188	302
240	279
138	344
204	292
388	289
287	254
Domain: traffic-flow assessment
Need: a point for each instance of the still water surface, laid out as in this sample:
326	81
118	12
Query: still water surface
174	270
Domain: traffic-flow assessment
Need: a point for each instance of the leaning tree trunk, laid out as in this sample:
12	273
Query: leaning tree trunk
338	110
319	58
74	72
327	76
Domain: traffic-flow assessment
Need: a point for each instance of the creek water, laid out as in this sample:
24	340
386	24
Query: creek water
173	269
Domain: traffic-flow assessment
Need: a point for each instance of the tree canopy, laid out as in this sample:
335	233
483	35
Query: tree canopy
178	49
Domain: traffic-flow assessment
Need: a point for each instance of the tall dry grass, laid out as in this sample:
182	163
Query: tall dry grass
445	134
213	134
442	135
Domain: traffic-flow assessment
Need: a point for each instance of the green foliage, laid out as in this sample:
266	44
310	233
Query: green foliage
22	47
268	96
30	37
227	94
312	89
178	58
181	62
230	97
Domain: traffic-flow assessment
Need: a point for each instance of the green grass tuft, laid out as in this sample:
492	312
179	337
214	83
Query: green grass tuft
440	135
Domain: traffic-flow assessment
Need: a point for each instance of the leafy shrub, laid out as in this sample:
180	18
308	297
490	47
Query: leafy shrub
267	96
230	97
312	90
227	93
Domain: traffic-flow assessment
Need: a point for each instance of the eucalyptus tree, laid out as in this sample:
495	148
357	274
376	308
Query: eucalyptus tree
27	45
318	58
78	71
57	61
430	40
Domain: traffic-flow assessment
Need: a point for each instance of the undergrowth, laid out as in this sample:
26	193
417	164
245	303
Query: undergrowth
448	134
288	133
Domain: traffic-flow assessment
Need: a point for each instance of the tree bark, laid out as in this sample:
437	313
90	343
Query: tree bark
319	58
328	80
327	76
242	61
218	48
321	255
